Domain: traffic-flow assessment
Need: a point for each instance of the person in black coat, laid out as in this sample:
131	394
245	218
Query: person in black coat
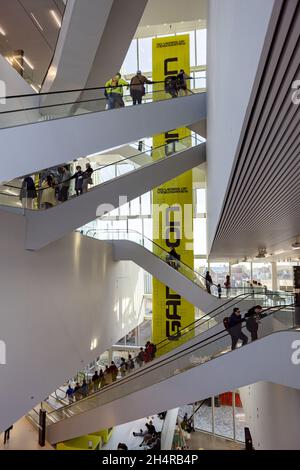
235	328
252	317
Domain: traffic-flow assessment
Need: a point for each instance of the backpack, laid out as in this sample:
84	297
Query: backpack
226	323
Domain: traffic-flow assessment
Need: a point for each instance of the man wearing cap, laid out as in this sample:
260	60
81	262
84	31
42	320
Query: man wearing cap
137	87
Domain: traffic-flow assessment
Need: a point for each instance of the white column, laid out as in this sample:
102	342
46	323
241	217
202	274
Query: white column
274	275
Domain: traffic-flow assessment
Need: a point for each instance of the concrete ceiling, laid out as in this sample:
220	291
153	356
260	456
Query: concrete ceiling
261	209
22	31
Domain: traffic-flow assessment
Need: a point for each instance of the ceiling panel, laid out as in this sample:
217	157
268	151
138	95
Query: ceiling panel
262	207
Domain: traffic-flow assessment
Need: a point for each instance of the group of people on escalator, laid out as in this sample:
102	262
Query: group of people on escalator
234	324
114	88
53	186
110	373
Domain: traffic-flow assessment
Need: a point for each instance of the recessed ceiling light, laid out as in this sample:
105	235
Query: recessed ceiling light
2	31
56	18
37	22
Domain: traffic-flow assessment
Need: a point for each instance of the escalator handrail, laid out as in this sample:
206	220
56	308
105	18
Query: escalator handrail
213	313
171	358
123	160
75	90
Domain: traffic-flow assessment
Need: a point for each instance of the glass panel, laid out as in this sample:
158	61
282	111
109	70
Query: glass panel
130	63
201	46
240	274
145	54
240	419
262	274
201	201
218	272
146	204
192	47
135	208
200	247
148	228
224	415
135	224
203	417
285	276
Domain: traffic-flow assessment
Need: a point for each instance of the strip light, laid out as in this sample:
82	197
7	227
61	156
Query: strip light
56	18
2	31
28	63
37	22
34	88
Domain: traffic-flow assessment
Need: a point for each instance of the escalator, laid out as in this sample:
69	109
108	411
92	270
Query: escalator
204	366
130	177
191	285
71	127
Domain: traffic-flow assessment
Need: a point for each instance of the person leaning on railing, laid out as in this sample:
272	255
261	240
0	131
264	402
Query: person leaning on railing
114	91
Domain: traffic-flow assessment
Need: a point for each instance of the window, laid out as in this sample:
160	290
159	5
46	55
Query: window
218	272
200	237
201	46
262	272
192	47
240	274
145	54
285	275
201	201
130	62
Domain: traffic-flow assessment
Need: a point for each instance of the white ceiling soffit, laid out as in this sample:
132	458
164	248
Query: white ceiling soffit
173	11
261	207
172	16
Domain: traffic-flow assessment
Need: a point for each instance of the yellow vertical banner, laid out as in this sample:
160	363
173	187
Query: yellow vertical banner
172	204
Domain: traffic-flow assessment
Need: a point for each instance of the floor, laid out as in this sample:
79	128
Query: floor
124	433
203	441
23	437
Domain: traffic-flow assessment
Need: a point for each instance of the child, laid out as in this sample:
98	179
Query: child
219	290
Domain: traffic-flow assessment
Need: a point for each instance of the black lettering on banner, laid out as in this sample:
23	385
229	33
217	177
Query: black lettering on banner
166	66
173	334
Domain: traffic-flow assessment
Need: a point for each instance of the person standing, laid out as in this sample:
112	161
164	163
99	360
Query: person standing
182	78
87	177
235	328
227	285
252	317
208	282
48	199
137	87
114	91
64	183
28	193
70	394
7	434
219	291
78	176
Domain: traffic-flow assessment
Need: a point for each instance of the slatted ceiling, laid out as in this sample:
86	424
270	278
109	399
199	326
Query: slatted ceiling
263	197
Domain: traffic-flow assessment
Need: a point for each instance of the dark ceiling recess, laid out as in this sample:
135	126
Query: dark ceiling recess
262	204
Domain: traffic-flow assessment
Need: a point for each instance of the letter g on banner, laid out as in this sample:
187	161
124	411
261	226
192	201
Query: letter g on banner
295	358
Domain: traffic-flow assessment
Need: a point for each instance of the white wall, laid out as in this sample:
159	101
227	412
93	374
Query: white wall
54	303
14	84
272	412
236	35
